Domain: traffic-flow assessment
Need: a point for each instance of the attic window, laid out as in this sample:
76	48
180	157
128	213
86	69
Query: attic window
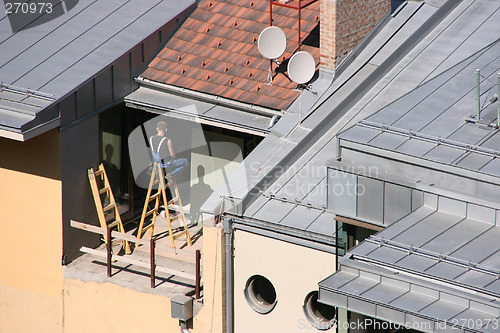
260	294
320	315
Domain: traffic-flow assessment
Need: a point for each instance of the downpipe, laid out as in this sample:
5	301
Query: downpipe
228	231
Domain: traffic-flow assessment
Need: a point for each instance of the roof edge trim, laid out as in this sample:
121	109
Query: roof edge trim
209	98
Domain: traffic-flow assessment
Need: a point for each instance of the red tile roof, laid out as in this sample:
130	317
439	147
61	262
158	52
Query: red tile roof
215	51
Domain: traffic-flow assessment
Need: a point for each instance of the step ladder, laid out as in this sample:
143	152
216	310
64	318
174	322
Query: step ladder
111	206
158	179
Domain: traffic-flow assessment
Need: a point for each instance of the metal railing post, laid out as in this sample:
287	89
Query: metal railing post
152	261
198	277
108	250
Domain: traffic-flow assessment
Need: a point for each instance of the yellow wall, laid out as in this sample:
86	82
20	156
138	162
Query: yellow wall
293	270
31	275
107	307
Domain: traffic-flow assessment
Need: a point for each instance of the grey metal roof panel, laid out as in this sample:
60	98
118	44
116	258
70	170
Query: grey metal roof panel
361	135
105	25
155	98
481	247
387	254
364	249
492	167
492	261
432	226
340	278
14	119
416	147
457	236
386	292
474	161
494	286
324	224
317	194
443	310
437	108
62	54
445	270
388	141
402	225
413	301
359	285
475	278
492	142
469	133
416	263
300	217
274	210
163	101
238	117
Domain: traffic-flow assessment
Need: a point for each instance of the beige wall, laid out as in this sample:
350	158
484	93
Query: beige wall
31	241
107	307
293	270
213	312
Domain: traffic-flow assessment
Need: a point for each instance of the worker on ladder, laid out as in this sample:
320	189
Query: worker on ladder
163	153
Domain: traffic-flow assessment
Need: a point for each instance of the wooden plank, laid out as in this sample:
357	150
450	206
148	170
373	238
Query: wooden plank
130	238
139	263
358	223
115	234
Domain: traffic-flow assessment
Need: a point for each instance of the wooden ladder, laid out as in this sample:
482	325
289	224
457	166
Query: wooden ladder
158	178
112	206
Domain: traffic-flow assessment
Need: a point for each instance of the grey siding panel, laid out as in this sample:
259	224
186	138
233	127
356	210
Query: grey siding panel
342	192
77	201
68	109
104	88
397	202
417	199
370	197
85	100
122	76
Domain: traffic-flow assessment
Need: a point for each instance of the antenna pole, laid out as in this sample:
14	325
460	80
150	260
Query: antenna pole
478	94
498	101
270	74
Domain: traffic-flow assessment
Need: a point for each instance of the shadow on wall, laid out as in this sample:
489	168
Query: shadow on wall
26	14
199	193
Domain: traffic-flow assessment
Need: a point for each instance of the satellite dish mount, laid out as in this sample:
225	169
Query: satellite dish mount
272	45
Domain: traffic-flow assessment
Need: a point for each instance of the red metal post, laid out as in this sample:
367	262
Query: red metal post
152	261
300	9
270	12
108	250
198	255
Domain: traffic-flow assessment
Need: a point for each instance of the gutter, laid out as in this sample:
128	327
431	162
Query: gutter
210	98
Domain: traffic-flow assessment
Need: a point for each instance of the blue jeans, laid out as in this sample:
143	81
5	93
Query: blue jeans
175	165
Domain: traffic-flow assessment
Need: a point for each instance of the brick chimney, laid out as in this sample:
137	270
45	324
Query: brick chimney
344	23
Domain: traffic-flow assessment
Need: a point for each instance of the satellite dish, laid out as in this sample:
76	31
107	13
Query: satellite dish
272	42
301	67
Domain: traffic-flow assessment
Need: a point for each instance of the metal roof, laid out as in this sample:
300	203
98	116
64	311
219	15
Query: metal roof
178	106
42	63
433	121
438	264
413	47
